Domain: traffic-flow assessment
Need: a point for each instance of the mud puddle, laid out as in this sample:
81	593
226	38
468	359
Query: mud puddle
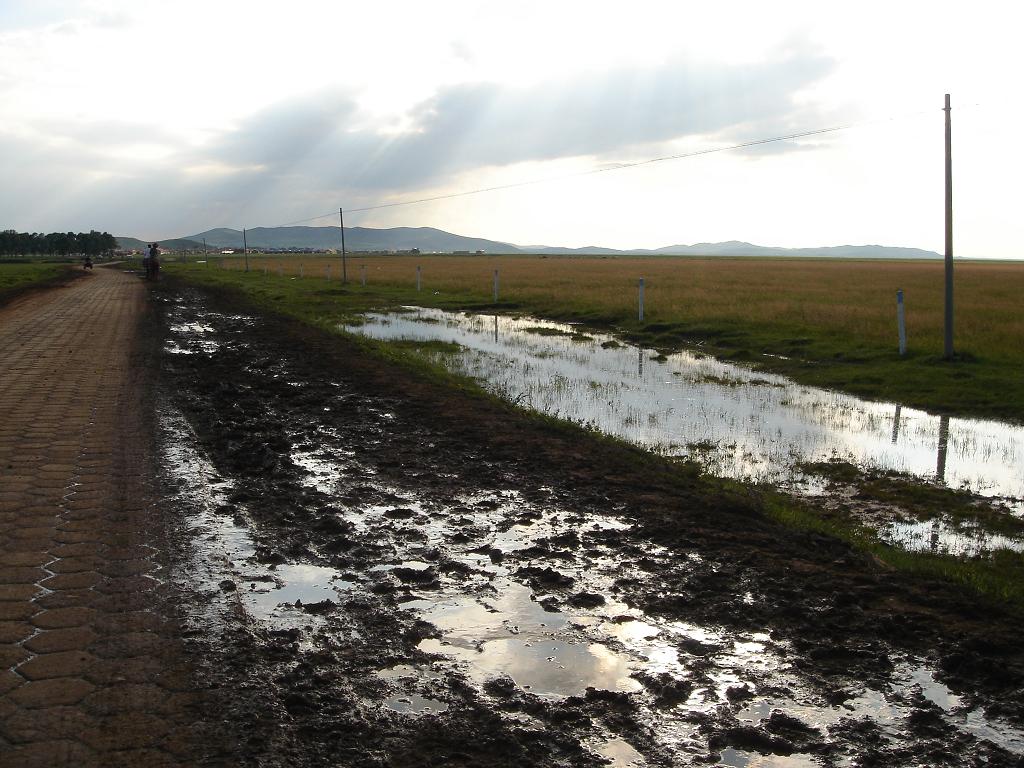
735	422
376	585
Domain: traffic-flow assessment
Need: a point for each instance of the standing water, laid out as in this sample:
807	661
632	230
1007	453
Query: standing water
739	423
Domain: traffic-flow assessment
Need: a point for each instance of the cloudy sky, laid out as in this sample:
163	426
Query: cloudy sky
162	119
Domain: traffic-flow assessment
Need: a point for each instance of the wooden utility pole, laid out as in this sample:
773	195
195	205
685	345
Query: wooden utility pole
344	266
948	345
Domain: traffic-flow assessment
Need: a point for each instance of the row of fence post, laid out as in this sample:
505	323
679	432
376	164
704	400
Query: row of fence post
901	326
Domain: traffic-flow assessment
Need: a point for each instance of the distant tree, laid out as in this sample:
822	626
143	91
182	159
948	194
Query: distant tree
92	243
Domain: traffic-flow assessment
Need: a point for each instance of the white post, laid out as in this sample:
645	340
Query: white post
362	269
417	278
900	322
300	271
641	299
495	285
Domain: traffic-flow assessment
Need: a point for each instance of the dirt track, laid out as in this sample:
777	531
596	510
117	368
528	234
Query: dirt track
91	666
485	590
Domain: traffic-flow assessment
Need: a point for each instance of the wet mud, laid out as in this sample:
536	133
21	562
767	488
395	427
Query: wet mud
383	572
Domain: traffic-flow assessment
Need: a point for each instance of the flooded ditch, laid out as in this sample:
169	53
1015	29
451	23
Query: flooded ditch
736	422
391	594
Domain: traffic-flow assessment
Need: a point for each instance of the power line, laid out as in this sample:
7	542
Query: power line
616	167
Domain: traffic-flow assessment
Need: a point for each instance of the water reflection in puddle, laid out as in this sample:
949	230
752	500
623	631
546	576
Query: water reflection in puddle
296	585
543	667
937	537
739	759
740	423
224	557
621	754
407	679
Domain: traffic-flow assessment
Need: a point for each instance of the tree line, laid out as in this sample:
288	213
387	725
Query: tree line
56	243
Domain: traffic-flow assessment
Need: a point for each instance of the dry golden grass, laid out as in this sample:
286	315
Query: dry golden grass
849	302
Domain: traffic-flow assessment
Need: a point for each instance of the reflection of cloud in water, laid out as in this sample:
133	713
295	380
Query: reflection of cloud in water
545	667
751	425
936	537
739	759
298	582
621	754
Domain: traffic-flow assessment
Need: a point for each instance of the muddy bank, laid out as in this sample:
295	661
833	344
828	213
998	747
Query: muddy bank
389	573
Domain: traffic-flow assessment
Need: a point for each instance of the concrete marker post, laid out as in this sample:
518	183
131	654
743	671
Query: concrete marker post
641	294
901	325
301	271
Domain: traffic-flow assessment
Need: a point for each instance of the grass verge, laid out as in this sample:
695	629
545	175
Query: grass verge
18	278
998	576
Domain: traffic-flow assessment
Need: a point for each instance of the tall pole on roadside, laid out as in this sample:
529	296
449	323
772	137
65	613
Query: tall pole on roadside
245	250
344	266
948	342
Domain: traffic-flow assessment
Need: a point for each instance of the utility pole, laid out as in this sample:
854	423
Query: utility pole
245	250
948	345
344	266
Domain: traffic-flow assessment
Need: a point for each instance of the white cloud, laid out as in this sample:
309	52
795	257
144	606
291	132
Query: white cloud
160	118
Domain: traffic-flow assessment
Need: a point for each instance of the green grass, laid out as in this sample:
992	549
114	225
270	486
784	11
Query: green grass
921	500
997	576
20	277
827	323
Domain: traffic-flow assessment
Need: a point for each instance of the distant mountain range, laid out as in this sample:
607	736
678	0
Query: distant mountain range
177	244
430	240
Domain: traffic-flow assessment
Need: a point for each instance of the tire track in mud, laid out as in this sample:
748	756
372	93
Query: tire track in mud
390	574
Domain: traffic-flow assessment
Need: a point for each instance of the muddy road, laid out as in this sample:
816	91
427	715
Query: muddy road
379	571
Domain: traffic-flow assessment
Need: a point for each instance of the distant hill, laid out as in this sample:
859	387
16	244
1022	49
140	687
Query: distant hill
177	244
739	248
430	240
427	239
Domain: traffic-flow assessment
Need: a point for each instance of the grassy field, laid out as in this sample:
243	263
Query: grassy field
824	322
17	278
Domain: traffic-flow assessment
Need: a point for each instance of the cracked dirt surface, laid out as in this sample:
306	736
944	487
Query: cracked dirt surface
91	665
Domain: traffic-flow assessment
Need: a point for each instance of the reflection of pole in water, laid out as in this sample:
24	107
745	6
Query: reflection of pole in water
940	466
896	425
934	540
640	363
495	327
